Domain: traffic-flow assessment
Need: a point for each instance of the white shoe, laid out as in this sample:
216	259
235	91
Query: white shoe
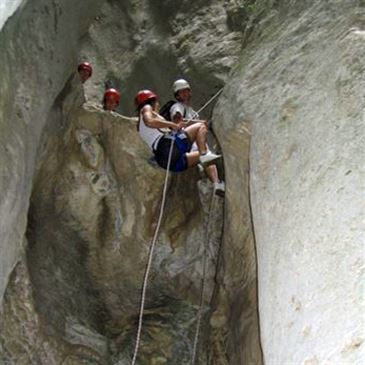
200	168
219	188
209	158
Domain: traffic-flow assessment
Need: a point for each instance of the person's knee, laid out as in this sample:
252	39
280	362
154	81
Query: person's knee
203	128
192	158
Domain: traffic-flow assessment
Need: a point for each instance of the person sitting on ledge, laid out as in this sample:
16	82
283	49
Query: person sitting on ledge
150	127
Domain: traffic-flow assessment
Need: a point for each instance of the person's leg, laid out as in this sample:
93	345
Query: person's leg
163	151
198	133
212	173
192	158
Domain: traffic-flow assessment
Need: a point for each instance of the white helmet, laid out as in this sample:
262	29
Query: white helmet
180	85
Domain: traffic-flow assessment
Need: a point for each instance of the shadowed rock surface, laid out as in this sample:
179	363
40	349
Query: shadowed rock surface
88	235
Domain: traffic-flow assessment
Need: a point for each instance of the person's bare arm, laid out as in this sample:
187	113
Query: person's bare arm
194	121
186	122
153	122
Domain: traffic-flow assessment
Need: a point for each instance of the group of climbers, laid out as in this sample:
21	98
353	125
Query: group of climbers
111	96
178	139
175	123
189	135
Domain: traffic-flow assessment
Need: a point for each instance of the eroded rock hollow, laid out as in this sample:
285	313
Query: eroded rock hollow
80	194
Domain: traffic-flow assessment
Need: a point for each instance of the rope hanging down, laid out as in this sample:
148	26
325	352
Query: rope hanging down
155	237
202	290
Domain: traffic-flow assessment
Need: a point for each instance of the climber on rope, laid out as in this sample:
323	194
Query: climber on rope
111	99
150	127
85	71
180	110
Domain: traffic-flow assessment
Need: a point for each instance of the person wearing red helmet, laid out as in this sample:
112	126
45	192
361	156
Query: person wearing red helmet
150	129
111	99
85	71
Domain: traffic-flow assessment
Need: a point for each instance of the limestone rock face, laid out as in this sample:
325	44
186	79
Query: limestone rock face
38	48
300	91
7	8
148	44
81	195
88	235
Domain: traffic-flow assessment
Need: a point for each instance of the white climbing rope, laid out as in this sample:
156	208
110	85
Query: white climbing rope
150	256
206	104
155	237
202	290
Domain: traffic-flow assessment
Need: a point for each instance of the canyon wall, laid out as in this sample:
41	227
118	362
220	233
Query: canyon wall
80	194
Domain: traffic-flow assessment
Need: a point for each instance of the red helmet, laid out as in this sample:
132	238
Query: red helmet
112	94
144	95
85	66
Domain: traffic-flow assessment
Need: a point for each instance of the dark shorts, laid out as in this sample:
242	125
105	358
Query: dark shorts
182	145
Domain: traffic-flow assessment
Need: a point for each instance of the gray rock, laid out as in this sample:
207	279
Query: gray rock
77	184
39	51
300	90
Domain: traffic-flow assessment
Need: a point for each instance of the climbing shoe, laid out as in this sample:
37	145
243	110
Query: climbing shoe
219	188
200	168
209	158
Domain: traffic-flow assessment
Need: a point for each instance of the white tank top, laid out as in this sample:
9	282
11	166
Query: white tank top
148	134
